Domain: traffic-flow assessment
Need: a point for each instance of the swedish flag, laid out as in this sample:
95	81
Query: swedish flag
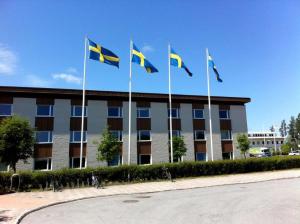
214	67
102	54
177	62
139	58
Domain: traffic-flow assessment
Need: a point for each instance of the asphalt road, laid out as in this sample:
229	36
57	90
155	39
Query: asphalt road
265	202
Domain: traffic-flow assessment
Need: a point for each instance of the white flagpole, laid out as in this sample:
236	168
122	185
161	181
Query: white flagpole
209	109
83	102
129	114
170	104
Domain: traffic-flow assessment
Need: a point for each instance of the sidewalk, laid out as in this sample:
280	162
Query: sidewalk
13	206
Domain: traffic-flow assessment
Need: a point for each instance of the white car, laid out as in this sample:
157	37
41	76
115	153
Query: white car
294	153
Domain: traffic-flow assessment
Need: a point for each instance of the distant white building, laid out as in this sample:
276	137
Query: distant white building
266	139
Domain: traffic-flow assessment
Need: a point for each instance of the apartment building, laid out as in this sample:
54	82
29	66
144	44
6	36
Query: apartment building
56	116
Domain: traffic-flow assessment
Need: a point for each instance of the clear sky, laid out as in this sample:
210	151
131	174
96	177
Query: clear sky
255	45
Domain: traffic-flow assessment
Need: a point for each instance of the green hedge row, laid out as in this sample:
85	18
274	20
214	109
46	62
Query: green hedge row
76	177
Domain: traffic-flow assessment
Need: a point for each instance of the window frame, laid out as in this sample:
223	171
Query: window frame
227	113
204	139
72	138
50	109
227	139
145	164
73	111
177	135
138	109
139	136
11	110
120	134
120	112
49	166
194	114
177	112
71	165
120	158
201	153
50	137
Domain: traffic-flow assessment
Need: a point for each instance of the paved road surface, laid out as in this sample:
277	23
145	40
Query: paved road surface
265	202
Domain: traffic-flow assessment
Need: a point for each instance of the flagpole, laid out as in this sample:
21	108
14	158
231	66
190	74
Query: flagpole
209	109
170	105
129	114
83	102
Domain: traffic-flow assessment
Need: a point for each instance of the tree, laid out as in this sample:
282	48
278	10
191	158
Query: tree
272	129
292	128
179	148
297	127
243	143
16	140
109	147
283	129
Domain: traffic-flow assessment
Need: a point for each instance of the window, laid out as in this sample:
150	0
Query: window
225	135
175	133
144	135
263	142
117	135
199	135
75	162
44	110
117	160
198	114
253	143
144	159
276	142
5	109
76	111
42	164
43	137
200	156
224	114
114	112
227	155
75	136
175	113
258	142
142	112
281	142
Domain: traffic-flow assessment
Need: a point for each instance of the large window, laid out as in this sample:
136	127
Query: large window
227	155
5	109
175	133
200	156
42	164
43	137
114	112
44	110
117	135
144	135
224	114
226	135
76	111
175	113
75	162
75	136
142	112
198	114
144	159
117	160
199	135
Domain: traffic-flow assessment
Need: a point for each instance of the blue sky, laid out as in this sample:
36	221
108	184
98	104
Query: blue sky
255	45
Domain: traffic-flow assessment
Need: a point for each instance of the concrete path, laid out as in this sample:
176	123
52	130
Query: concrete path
12	206
272	202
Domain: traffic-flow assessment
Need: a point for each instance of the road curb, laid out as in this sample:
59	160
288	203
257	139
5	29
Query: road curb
22	216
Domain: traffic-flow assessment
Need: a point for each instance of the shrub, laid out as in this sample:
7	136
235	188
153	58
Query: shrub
72	177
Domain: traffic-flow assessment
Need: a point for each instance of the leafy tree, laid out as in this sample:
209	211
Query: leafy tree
243	144
283	129
109	147
297	127
272	129
292	127
179	148
16	140
286	148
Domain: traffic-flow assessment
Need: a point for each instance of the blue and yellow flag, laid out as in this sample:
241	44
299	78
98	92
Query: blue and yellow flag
176	61
214	67
139	58
102	54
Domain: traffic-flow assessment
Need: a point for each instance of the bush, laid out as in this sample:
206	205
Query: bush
73	177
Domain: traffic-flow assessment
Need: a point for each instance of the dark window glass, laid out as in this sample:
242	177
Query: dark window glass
144	135
224	114
76	136
115	161
77	111
5	109
199	135
175	113
42	164
143	112
226	135
43	136
76	162
44	110
198	113
114	112
200	156
226	155
145	159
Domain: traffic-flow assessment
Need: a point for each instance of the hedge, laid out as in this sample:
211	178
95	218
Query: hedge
78	178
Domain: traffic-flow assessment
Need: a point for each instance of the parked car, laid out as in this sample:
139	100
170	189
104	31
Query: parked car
294	153
260	152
